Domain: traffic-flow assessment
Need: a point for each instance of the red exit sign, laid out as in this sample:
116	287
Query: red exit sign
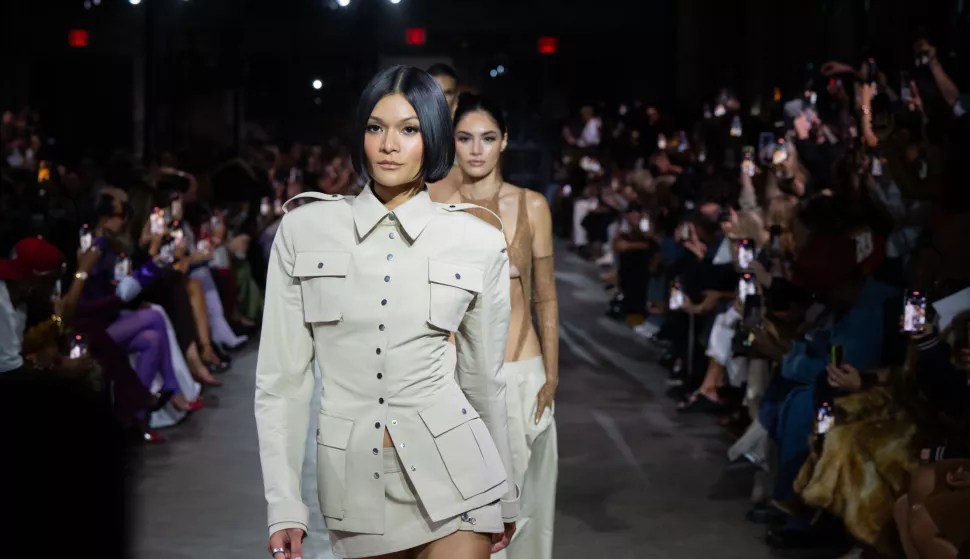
416	36
548	45
77	38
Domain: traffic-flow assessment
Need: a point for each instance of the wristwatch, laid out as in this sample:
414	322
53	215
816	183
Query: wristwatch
81	276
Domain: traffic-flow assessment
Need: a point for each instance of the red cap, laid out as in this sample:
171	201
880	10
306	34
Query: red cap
32	258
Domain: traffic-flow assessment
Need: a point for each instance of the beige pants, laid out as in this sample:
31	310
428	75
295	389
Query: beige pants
535	459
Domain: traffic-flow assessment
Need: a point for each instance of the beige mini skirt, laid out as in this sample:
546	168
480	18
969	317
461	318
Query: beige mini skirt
406	524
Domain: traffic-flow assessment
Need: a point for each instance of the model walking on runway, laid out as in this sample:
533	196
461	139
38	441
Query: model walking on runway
411	457
531	360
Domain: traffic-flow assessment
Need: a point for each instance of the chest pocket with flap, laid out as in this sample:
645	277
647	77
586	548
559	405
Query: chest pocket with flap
323	282
453	287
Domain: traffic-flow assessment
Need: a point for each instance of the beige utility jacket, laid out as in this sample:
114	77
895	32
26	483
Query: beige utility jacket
373	295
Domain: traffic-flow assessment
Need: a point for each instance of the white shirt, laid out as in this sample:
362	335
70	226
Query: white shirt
13	321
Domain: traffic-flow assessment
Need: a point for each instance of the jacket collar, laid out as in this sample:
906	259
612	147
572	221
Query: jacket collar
414	215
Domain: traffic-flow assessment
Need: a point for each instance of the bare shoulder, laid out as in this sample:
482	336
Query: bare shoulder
537	205
445	191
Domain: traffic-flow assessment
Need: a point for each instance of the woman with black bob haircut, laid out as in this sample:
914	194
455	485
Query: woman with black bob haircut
413	454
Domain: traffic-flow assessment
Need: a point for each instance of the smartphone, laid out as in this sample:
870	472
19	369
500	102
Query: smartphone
863	246
752	312
676	297
157	222
905	92
684	232
766	144
176	208
824	420
86	238
78	347
122	267
43	171
775	238
876	166
836	355
745	253
661	141
747	161
264	207
682	143
736	130
57	292
645	225
780	155
914	312
746	287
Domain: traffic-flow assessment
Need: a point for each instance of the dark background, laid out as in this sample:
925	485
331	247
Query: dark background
210	72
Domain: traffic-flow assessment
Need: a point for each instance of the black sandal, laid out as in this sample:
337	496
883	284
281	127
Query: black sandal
699	403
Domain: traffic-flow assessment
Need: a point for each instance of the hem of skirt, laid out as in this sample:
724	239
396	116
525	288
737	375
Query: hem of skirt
396	549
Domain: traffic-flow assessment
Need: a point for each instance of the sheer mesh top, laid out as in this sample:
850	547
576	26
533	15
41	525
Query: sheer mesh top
520	254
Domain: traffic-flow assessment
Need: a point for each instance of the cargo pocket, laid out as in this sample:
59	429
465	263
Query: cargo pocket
333	436
323	279
472	463
453	288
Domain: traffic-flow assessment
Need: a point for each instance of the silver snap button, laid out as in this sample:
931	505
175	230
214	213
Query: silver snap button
451	206
412	467
390	257
402	445
473	521
381	327
387	279
464	411
391	217
377	425
380	376
378	351
375	452
457	276
320	265
383	302
377	475
392	235
393	422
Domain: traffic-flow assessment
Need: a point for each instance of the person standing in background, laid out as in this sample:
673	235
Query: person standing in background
445	191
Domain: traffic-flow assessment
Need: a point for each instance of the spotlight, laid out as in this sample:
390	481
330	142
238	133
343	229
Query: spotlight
500	69
343	3
395	1
134	2
493	73
317	84
97	2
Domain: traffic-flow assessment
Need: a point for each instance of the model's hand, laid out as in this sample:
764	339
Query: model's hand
290	541
547	395
501	541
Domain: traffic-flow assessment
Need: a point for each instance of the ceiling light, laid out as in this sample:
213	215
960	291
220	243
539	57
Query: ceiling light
343	3
317	84
134	2
493	73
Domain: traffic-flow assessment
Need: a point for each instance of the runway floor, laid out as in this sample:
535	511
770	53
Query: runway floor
636	480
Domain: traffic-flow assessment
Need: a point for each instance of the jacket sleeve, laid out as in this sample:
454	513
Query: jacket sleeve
481	341
284	387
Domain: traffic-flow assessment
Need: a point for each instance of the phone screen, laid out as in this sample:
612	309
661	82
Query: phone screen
78	347
836	355
122	267
746	287
157	221
747	161
676	297
684	232
86	238
661	141
863	246
780	154
745	253
766	146
645	225
176	209
824	419
752	311
914	312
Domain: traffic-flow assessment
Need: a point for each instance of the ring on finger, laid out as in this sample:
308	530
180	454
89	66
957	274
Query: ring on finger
278	550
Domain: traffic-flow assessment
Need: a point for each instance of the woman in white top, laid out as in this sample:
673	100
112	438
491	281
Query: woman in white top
413	460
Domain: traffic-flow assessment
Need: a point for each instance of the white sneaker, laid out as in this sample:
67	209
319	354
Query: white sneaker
606	259
646	330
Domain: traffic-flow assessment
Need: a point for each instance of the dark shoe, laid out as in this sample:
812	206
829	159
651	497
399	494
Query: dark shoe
159	400
763	513
784	539
699	403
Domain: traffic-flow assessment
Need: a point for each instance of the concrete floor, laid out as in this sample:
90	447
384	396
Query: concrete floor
636	480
